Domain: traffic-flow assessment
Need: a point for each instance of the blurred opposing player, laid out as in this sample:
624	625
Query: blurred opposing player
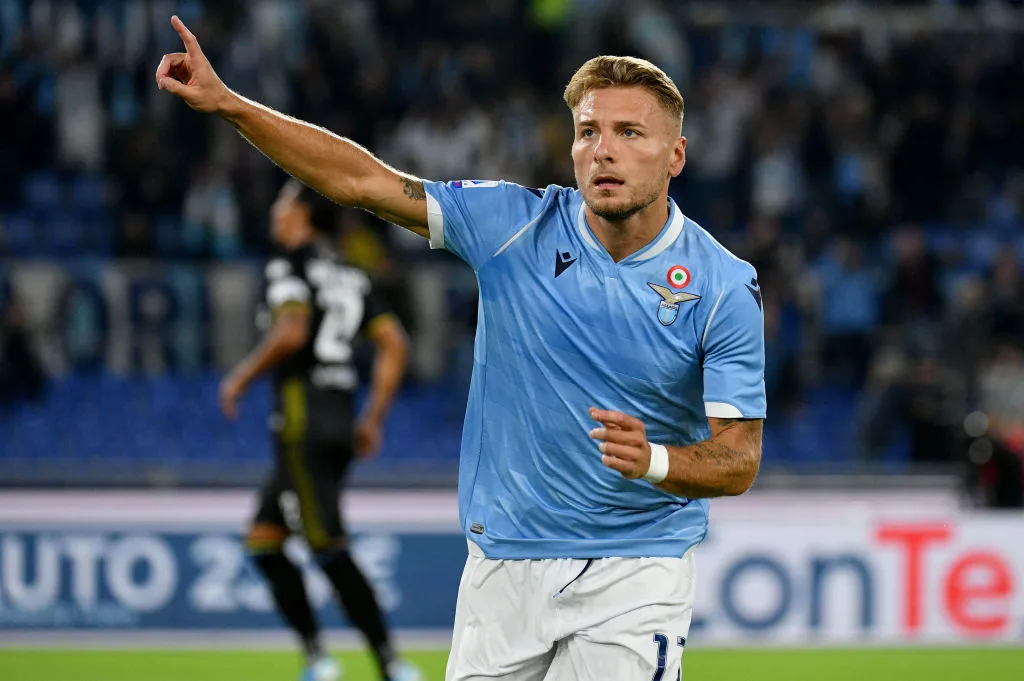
317	307
599	304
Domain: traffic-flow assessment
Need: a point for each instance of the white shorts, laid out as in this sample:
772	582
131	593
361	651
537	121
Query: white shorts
566	619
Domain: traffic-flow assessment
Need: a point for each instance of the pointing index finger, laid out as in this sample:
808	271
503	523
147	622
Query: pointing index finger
191	44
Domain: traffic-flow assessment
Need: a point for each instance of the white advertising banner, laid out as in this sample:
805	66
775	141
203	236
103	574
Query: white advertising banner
773	571
883	580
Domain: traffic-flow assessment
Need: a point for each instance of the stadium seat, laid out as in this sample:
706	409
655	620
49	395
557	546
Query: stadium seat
167	231
89	195
43	192
171	425
18	235
66	234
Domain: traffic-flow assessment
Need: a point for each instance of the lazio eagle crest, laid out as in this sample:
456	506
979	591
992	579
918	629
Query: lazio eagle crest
668	310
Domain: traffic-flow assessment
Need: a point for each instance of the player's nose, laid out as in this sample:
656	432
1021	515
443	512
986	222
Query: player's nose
603	148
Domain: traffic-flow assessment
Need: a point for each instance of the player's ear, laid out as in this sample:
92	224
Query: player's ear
678	157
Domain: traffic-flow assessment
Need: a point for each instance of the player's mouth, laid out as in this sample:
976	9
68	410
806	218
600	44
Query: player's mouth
607	182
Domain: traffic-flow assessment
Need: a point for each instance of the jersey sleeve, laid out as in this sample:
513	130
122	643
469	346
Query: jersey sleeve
733	348
285	284
474	219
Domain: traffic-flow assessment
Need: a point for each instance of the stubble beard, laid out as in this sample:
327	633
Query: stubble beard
620	213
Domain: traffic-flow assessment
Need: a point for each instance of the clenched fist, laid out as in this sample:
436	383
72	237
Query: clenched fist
189	75
623	442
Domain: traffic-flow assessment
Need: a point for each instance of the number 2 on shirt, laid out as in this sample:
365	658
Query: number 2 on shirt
343	313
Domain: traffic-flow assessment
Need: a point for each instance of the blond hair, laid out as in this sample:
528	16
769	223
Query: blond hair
608	71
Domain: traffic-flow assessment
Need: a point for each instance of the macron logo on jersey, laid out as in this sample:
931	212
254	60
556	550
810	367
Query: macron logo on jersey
755	291
563	261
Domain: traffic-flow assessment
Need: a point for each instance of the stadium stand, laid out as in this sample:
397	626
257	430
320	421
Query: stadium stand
872	170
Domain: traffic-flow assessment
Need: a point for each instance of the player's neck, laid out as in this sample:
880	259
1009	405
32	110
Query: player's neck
303	241
622	238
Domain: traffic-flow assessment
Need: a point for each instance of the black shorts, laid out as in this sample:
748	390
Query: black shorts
313	444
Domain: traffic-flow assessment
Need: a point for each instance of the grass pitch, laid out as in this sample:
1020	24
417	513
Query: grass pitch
995	664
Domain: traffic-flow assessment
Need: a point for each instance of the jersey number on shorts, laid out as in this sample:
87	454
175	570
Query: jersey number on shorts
343	313
662	641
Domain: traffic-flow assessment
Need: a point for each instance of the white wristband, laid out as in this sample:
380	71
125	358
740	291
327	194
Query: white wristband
658	469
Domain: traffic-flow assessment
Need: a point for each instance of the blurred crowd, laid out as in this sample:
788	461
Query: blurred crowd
872	170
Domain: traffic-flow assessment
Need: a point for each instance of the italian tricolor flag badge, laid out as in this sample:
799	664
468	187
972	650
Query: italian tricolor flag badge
678	277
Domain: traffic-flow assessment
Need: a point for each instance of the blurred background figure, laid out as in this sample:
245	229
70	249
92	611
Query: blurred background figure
316	307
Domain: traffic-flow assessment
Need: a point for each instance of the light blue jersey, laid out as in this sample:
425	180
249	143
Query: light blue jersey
671	335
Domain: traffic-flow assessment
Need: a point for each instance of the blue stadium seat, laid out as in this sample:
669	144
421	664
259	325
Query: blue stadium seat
43	192
167	232
89	195
66	235
172	424
37	434
101	234
19	235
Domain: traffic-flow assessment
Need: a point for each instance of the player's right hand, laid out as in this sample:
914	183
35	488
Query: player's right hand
189	75
230	391
368	437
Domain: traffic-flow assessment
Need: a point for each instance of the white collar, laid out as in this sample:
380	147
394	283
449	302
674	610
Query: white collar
676	222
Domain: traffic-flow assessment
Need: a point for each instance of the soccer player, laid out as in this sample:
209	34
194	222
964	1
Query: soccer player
618	376
316	307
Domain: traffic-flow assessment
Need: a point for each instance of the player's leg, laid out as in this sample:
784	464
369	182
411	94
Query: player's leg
506	620
633	617
265	546
318	471
290	444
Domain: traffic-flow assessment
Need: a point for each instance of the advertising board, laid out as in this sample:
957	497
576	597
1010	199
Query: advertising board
850	576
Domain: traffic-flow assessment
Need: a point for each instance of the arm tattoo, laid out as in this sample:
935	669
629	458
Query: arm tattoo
413	189
750	430
714	452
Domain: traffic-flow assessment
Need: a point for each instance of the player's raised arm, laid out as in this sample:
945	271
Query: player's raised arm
334	166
